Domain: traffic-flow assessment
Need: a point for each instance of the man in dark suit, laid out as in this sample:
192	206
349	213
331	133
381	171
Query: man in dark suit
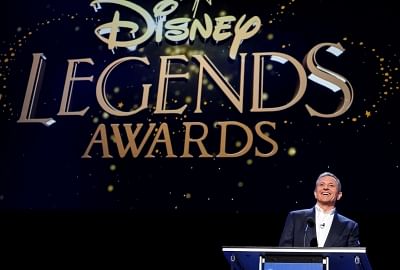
321	225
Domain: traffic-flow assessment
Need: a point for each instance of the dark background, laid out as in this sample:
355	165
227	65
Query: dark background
178	213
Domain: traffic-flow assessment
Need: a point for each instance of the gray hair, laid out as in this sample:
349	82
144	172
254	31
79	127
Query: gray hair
334	177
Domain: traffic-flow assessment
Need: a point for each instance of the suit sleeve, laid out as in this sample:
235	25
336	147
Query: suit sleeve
286	239
354	237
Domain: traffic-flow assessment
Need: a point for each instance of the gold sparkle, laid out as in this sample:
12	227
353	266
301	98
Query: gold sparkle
292	151
110	188
120	105
188	99
105	115
116	90
222	13
367	114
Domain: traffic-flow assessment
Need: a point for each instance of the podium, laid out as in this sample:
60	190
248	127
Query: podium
297	258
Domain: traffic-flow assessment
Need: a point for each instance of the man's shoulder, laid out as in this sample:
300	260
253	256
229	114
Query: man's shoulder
345	219
302	212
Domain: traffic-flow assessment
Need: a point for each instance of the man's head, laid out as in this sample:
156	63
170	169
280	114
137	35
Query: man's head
328	189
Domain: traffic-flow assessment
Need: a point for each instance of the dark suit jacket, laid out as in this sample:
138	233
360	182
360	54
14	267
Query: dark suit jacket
344	232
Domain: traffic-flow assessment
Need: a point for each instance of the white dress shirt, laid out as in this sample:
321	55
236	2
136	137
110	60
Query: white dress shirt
323	223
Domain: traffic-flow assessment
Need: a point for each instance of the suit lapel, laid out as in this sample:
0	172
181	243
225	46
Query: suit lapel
335	230
313	231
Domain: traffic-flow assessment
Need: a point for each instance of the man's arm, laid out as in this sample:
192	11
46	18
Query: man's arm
354	237
286	239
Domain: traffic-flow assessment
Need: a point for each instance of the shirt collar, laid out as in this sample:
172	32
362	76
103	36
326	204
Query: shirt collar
321	211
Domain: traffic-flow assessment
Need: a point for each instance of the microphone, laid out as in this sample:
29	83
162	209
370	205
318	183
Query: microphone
314	242
310	224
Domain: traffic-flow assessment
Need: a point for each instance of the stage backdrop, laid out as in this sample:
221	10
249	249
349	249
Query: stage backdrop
227	110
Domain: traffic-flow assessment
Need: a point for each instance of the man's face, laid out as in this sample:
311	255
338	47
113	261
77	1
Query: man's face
326	190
